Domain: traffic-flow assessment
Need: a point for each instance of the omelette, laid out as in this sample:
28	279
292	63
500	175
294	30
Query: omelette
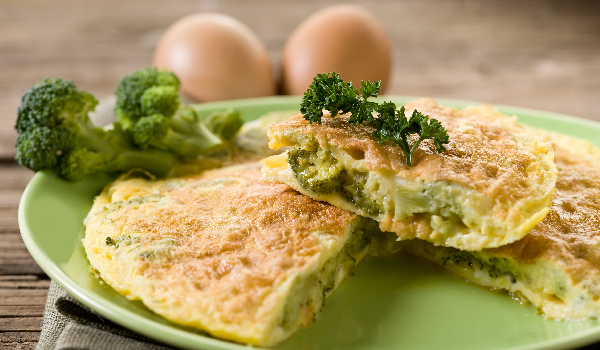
224	252
491	186
556	267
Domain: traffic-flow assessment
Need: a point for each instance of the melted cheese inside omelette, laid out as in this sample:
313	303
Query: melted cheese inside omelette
556	267
493	184
224	252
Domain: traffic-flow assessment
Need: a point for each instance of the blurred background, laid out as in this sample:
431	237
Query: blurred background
542	54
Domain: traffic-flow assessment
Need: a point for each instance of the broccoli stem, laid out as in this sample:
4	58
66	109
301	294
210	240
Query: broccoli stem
157	162
191	146
97	139
110	152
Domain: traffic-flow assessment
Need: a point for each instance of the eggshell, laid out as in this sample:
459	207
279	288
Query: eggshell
216	57
346	38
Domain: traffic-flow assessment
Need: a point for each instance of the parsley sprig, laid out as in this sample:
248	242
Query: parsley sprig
329	92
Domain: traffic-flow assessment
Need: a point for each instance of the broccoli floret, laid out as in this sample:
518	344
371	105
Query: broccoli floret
156	131
128	108
224	124
456	257
353	190
316	171
40	147
160	100
55	133
148	106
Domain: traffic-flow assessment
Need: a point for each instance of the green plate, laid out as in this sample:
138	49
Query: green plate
390	303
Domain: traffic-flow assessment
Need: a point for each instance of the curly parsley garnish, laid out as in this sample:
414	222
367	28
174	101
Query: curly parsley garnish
329	92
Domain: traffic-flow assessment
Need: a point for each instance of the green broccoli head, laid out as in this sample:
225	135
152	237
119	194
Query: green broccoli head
130	89
77	163
55	133
151	130
50	120
162	100
54	102
149	108
39	148
224	124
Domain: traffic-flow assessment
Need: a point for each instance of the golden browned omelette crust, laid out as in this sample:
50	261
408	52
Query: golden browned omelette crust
570	234
556	266
223	251
482	154
489	155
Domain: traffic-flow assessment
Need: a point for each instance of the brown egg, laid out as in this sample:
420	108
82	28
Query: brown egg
346	38
216	57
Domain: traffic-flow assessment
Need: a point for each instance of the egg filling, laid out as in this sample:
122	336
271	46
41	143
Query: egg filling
308	293
336	176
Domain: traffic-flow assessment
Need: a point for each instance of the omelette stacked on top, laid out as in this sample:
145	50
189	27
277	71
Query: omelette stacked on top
491	186
224	252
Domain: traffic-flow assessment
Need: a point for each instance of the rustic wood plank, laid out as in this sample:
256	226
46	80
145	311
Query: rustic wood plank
24	267
12	240
18	337
21	278
21	324
19	345
10	198
10	254
19	262
25	284
19	340
7	292
13	311
14	177
8	220
14	257
20	299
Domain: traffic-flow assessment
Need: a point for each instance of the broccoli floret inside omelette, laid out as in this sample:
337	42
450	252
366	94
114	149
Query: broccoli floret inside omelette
495	267
353	190
317	171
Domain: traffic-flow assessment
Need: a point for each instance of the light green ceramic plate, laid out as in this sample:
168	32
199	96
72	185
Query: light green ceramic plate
390	303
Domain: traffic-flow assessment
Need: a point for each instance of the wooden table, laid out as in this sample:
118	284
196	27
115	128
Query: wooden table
538	54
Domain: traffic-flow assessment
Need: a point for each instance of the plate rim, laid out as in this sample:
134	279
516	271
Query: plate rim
178	337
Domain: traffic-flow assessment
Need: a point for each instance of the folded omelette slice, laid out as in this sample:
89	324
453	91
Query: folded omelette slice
224	252
492	185
556	266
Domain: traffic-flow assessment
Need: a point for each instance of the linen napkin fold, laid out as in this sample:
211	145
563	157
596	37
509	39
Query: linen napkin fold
68	324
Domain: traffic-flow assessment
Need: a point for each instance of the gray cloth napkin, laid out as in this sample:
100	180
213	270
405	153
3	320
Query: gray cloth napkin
68	324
